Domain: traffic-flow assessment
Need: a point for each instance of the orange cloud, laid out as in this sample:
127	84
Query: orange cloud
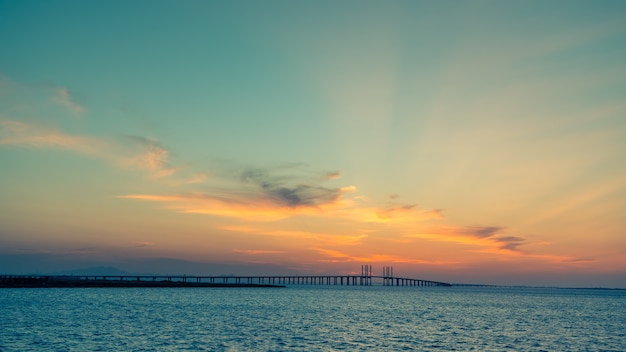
391	215
202	204
260	195
258	206
264	205
325	238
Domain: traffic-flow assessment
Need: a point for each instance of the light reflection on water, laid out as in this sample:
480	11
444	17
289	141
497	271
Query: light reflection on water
322	318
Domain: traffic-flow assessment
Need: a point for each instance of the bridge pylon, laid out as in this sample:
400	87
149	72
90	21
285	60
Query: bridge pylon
388	276
366	275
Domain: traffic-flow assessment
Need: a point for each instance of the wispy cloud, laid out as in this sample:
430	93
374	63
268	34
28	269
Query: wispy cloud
150	155
257	251
283	194
240	205
394	214
146	244
494	234
63	98
489	237
481	231
333	175
389	212
269	200
198	177
336	239
510	242
138	152
216	206
21	134
255	194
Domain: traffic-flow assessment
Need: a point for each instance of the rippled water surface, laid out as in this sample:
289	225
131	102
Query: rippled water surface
312	319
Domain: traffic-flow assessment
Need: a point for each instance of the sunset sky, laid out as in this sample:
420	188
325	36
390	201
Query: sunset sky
476	141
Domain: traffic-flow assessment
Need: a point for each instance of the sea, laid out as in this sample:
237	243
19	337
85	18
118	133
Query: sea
313	318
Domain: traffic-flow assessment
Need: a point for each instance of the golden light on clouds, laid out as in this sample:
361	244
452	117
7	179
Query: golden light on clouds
406	134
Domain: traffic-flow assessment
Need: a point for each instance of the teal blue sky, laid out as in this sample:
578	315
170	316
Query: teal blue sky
469	139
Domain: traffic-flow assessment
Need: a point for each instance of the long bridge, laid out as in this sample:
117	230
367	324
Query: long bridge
366	278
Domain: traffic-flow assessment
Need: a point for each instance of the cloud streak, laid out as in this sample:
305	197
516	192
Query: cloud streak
490	237
267	201
293	196
63	98
492	233
141	153
241	205
319	237
257	251
21	134
150	155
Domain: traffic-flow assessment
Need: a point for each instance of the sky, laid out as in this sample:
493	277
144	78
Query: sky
457	141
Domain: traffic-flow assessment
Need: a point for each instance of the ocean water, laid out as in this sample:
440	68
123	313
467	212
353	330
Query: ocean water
312	318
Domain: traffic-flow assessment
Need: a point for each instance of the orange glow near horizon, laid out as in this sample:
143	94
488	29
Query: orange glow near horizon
447	145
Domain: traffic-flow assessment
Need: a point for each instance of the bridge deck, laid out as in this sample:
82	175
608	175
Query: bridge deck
348	280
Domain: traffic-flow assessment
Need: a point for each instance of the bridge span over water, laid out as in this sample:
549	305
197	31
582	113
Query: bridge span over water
365	278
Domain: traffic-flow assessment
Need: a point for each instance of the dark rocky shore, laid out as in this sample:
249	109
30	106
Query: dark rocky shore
50	282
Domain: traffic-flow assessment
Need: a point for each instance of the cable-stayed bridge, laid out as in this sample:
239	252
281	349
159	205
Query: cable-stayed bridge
365	278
